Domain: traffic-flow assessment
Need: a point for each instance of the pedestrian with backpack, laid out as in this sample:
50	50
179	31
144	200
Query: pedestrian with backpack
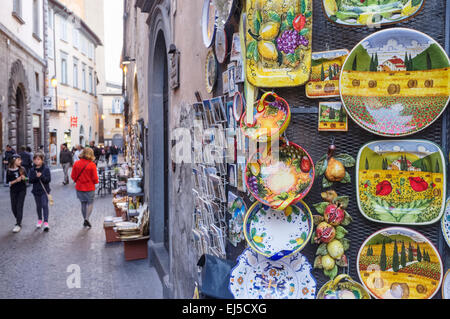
85	177
40	177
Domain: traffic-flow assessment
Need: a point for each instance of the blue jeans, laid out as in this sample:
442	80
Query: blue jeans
42	206
114	159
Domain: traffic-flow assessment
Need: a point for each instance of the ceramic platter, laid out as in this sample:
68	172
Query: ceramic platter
446	286
278	42
370	12
280	179
325	71
446	222
224	12
208	22
256	277
271	117
276	234
401	182
238	106
395	82
399	263
342	287
221	45
211	71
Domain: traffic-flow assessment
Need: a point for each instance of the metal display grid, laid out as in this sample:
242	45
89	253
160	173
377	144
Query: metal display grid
434	20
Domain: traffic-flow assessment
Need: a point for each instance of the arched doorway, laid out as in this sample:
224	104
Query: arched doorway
20	126
159	140
117	140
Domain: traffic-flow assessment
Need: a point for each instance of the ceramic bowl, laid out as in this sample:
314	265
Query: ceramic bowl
342	287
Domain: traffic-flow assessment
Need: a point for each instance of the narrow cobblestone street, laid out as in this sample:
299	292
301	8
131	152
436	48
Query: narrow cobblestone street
34	264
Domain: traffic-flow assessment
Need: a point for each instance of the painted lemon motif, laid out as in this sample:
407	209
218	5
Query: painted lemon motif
408	9
365	18
269	31
257	239
255	168
300	241
288	211
267	50
330	7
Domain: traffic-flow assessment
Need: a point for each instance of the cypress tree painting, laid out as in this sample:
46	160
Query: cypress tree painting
403	255
419	254
410	253
395	261
383	264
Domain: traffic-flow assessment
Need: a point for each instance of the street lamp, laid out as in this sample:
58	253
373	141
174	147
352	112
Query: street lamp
54	83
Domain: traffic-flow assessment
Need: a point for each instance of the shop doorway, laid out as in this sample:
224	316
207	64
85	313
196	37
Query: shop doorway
159	143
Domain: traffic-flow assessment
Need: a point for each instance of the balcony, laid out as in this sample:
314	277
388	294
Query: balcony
61	106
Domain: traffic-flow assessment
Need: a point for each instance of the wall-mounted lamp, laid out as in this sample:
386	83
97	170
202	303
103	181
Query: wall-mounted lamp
127	60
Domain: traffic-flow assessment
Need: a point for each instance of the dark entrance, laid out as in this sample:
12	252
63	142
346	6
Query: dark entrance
20	119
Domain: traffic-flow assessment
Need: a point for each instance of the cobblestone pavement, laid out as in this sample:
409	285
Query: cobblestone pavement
34	264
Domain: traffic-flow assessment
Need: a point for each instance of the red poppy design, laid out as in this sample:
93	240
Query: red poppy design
418	184
384	188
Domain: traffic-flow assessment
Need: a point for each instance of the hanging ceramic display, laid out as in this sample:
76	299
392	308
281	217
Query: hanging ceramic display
330	233
401	182
395	82
276	234
446	286
342	287
271	117
325	71
399	263
208	22
211	71
237	210
333	167
370	12
446	223
278	41
224	10
221	45
280	179
257	277
238	106
332	117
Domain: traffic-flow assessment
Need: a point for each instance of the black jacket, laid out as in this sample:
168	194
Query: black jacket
114	150
13	175
8	155
27	161
65	157
45	178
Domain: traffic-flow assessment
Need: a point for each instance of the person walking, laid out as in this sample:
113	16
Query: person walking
97	151
114	154
40	177
6	157
76	155
27	160
16	177
107	154
66	160
85	177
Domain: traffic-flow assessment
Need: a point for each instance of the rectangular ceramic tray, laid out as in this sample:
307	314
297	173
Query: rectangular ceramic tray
401	182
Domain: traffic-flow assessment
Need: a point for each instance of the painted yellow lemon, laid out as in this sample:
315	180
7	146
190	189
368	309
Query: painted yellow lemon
255	168
335	249
269	31
330	7
288	211
328	262
267	50
300	241
257	239
408	9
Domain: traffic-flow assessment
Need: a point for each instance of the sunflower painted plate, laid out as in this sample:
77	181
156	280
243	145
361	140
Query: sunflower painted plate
401	182
280	177
276	234
257	277
271	118
370	12
278	41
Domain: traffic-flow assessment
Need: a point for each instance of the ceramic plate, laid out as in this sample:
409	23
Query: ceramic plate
221	45
395	82
399	263
224	12
280	179
325	71
401	182
446	223
446	285
343	287
237	210
256	277
211	71
271	117
370	12
276	234
208	22
238	106
278	42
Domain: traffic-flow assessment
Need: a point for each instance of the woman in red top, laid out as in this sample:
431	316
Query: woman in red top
84	174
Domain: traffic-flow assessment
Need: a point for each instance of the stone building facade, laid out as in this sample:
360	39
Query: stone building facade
153	30
113	119
22	65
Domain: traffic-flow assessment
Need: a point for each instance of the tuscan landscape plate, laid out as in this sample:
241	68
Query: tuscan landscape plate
210	71
280	179
446	285
278	41
446	223
342	287
257	277
325	72
370	12
401	182
208	22
399	263
271	117
276	234
395	82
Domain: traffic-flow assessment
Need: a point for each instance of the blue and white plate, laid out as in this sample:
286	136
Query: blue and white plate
257	277
446	222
